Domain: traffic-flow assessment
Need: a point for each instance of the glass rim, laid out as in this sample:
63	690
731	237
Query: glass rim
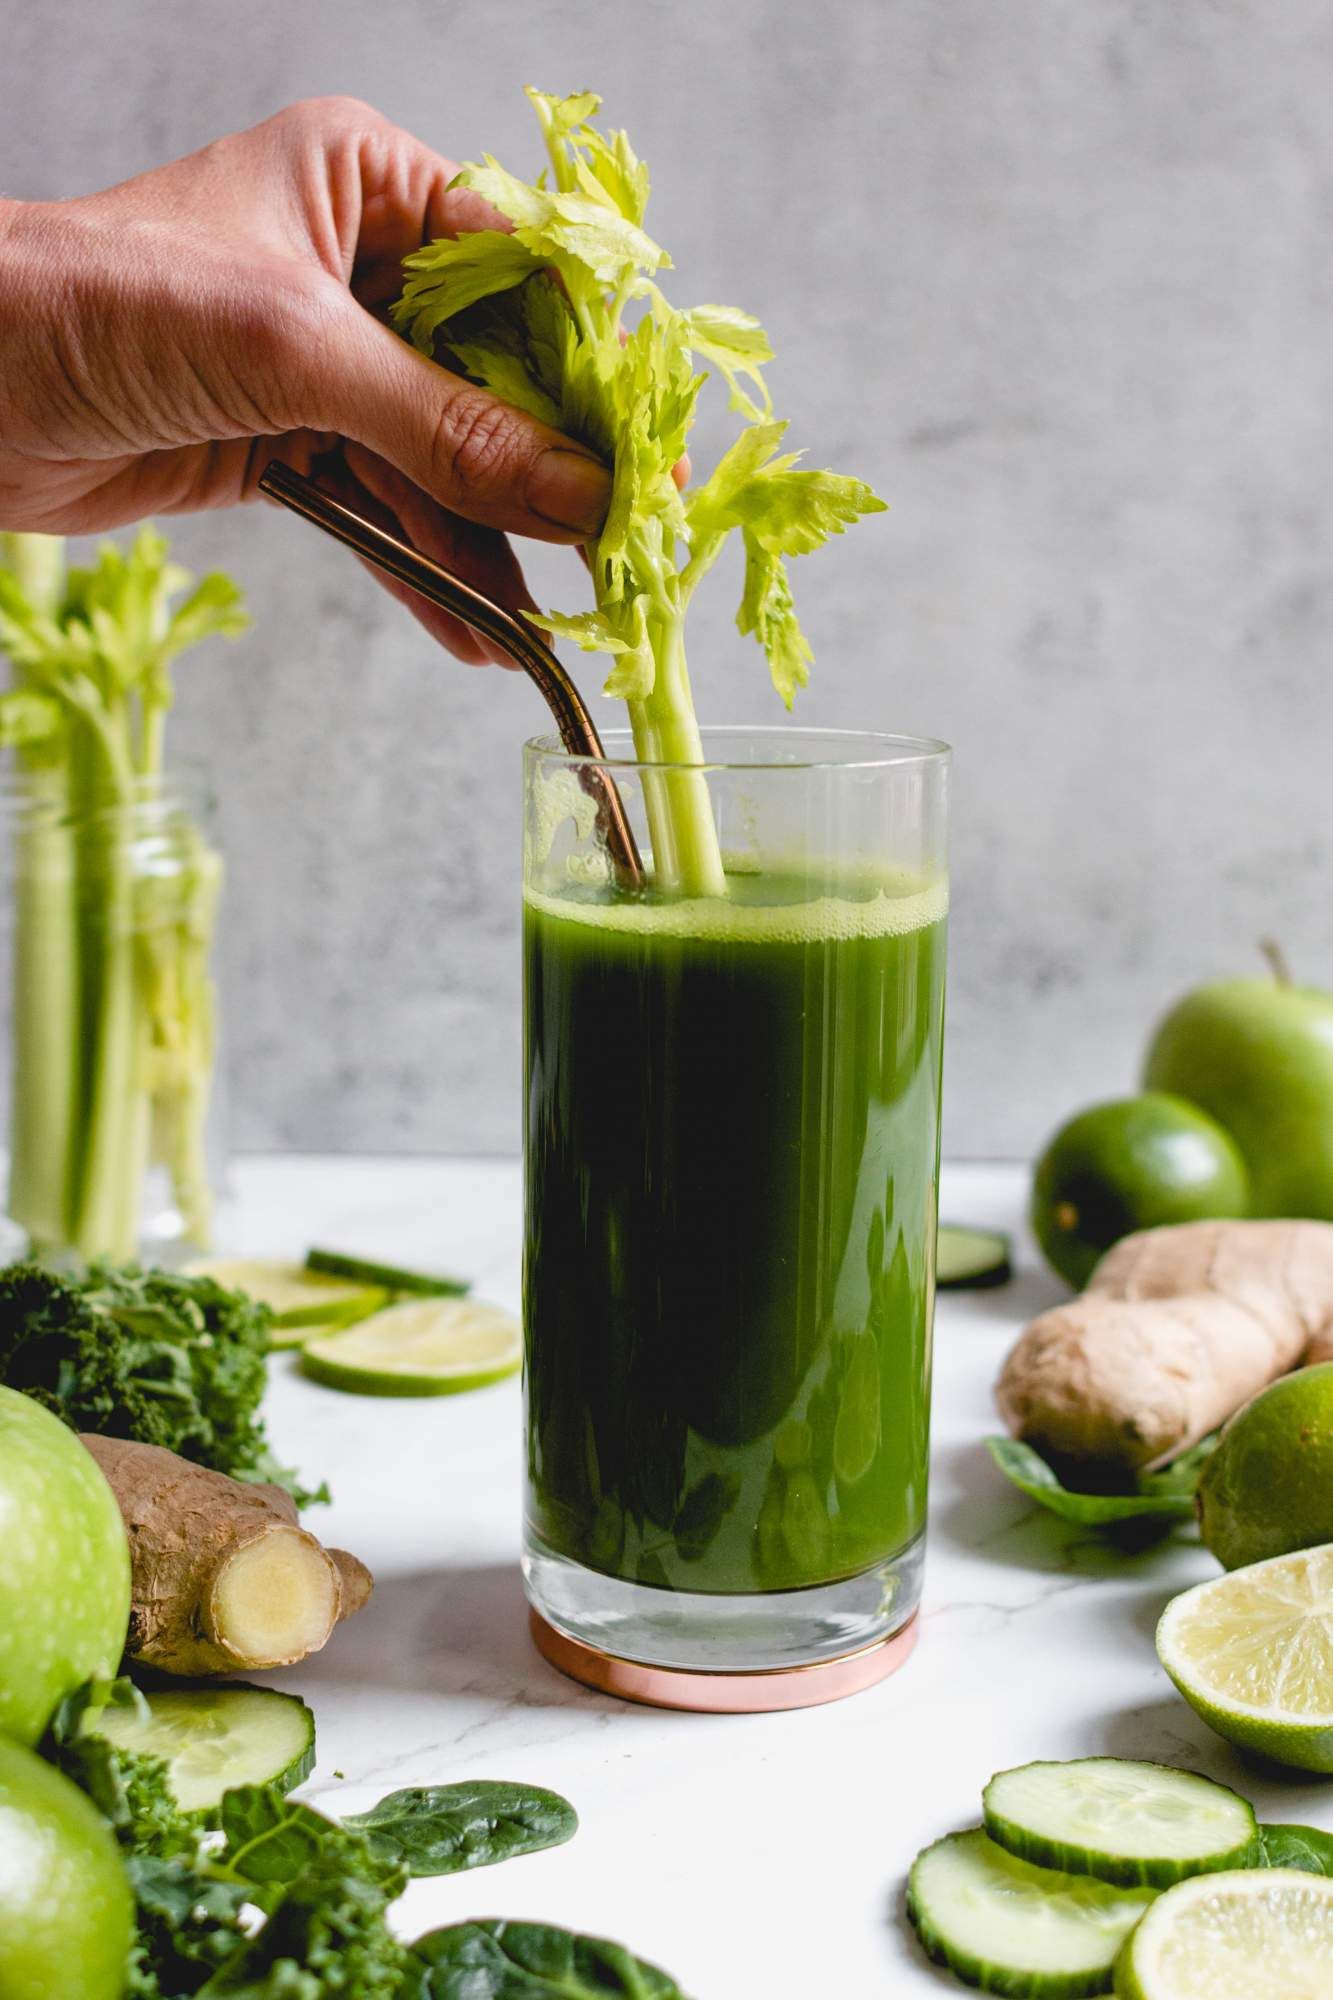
896	752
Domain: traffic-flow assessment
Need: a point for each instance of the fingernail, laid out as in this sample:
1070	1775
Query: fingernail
570	490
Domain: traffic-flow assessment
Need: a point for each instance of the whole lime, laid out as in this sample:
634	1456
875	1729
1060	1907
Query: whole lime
64	1568
1136	1163
65	1909
1268	1488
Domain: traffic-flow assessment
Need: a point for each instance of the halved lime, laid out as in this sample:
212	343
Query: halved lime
422	1347
1253	1934
298	1299
1252	1652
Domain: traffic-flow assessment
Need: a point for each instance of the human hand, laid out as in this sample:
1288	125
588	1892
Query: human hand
162	340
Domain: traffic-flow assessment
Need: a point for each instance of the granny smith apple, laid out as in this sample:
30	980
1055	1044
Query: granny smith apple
65	1909
1257	1055
64	1569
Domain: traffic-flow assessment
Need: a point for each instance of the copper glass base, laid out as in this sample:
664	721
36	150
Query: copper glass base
740	1693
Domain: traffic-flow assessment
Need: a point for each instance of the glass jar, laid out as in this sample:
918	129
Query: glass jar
731	1159
108	936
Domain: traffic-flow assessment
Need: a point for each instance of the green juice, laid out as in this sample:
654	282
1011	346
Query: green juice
732	1150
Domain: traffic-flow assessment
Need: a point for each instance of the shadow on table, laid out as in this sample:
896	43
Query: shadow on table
1167	1731
1029	1292
448	1631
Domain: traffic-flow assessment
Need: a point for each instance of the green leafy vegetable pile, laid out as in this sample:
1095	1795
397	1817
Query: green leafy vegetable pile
537	316
114	1027
153	1355
269	1900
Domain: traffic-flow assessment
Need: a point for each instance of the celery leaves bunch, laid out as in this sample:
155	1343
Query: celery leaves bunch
115	894
536	315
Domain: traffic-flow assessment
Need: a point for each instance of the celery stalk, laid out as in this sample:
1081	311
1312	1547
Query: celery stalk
45	1073
686	855
44	1077
114	1015
535	315
106	1185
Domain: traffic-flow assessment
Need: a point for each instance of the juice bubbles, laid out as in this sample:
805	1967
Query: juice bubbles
732	1149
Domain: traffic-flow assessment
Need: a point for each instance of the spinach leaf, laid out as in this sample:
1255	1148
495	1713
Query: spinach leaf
1303	1847
441	1829
1159	1496
499	1960
1180	1479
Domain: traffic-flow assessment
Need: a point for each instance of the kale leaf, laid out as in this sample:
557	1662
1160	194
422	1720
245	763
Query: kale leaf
152	1355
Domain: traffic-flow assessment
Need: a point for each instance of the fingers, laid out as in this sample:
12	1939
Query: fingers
479	556
471	453
372	194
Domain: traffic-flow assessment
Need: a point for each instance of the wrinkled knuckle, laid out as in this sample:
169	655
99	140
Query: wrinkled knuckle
478	446
334	114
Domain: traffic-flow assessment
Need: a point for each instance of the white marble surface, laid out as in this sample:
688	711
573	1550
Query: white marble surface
757	1858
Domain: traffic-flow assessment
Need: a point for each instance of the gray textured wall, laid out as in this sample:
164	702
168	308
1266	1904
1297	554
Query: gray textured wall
1057	275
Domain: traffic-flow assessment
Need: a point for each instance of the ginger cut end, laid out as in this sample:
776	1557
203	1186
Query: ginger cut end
274	1599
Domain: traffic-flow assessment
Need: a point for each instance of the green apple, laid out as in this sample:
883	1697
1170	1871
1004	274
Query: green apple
1257	1055
65	1907
64	1569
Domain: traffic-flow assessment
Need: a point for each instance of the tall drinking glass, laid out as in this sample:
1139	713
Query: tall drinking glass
732	1147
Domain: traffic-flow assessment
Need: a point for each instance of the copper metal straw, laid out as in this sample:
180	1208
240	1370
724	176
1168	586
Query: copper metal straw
399	559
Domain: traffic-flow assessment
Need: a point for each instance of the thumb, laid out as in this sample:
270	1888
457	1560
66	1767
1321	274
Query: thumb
475	455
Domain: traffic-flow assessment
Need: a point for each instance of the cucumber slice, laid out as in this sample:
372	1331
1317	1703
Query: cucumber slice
1264	1934
1008	1927
423	1347
1123	1822
971	1259
212	1739
393	1278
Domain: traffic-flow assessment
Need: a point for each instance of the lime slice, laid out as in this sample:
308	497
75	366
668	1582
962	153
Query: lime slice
422	1347
299	1299
212	1739
1252	1652
1255	1934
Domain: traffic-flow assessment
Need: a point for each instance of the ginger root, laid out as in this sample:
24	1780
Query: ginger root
1177	1329
225	1579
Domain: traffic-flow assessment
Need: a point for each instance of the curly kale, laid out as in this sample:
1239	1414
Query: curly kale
264	1898
290	1905
152	1355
